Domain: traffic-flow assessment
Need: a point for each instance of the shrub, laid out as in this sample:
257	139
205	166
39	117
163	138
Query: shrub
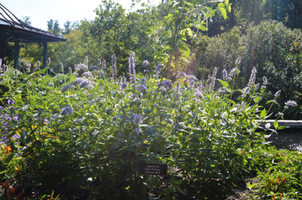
84	137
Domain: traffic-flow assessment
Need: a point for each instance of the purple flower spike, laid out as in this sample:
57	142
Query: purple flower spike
10	102
290	103
138	119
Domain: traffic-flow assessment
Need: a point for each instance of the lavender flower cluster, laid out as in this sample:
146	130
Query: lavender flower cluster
290	103
132	72
113	66
83	82
7	114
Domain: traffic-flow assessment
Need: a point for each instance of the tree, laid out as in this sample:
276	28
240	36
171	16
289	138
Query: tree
26	20
50	25
53	26
67	27
184	21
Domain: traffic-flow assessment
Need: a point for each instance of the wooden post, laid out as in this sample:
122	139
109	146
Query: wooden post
16	53
44	53
2	45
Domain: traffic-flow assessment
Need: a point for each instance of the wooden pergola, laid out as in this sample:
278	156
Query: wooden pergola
14	30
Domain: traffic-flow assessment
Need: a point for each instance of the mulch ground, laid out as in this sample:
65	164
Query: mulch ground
242	192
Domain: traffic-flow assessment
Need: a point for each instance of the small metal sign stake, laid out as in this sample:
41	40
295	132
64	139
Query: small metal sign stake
152	169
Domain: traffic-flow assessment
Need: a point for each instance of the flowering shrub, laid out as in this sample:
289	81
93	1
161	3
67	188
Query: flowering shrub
85	140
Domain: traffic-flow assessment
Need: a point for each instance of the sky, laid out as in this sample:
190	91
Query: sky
41	11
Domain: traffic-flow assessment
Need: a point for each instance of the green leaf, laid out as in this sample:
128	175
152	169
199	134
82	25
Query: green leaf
263	113
220	5
276	125
185	50
226	1
225	84
97	87
223	12
283	127
229	8
257	99
9	158
202	27
169	16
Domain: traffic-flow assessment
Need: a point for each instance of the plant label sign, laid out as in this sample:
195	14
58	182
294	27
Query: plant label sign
152	169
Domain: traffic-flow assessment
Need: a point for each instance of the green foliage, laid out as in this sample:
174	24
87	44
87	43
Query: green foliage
93	150
255	11
179	26
279	172
274	49
53	26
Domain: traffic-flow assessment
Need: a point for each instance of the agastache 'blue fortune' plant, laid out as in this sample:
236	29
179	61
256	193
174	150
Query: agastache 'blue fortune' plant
77	81
252	77
167	84
132	72
277	94
67	111
159	67
231	74
264	82
113	66
87	74
8	114
145	63
65	88
137	119
86	61
290	103
142	88
123	86
251	82
198	94
85	83
69	70
182	74
61	68
224	75
191	78
212	85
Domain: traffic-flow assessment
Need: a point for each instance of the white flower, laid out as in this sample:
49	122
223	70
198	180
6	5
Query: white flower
267	126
